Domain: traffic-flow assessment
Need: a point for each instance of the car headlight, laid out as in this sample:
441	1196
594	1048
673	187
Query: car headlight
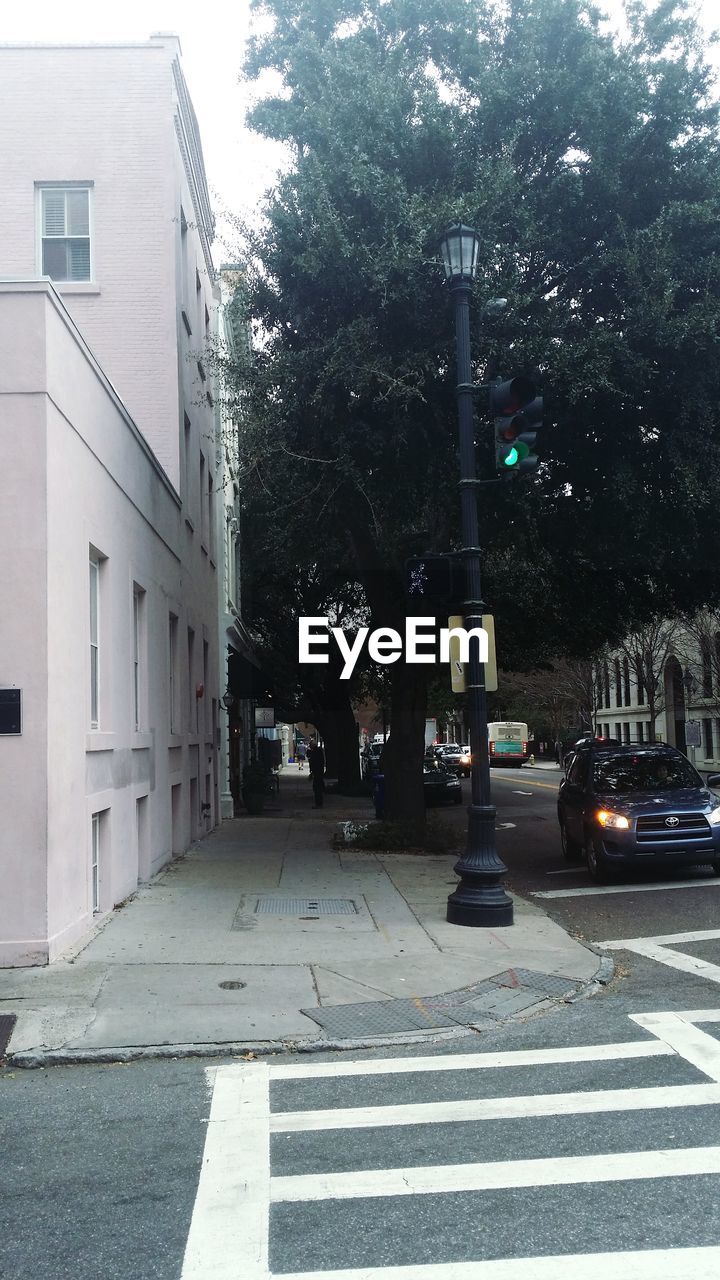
714	817
607	818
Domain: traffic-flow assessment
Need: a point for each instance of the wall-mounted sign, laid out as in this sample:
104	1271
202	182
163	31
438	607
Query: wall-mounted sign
10	711
264	717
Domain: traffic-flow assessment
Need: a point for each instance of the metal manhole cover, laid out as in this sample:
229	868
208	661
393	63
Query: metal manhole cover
231	985
313	907
7	1023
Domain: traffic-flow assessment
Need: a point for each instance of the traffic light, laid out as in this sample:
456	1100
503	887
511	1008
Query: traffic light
434	581
517	412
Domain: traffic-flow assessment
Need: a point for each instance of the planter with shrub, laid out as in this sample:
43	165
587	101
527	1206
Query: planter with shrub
254	787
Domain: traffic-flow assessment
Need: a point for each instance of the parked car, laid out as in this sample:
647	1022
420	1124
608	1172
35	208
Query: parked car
441	787
371	759
637	806
588	740
456	758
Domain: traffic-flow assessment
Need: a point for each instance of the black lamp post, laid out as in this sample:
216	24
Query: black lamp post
479	899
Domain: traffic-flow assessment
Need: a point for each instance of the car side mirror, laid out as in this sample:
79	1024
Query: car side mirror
713	780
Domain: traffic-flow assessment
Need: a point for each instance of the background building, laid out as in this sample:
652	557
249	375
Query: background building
663	684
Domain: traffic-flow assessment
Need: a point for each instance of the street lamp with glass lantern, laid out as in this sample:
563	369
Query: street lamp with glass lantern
480	898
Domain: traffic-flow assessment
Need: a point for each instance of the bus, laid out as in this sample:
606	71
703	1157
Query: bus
508	743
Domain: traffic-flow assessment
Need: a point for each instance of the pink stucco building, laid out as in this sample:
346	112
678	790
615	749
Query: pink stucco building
108	528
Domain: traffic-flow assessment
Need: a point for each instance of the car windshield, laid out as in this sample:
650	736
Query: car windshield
651	771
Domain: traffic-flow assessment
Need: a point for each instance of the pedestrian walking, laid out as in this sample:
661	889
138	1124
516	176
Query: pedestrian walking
316	764
300	752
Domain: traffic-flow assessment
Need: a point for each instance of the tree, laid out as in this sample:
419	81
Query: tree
555	700
591	171
701	634
285	581
647	651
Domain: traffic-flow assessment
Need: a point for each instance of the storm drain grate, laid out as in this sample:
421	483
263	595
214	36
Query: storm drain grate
270	906
7	1022
483	1004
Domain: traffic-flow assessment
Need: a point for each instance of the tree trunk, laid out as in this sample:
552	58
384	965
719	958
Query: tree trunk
328	728
348	756
403	756
405	748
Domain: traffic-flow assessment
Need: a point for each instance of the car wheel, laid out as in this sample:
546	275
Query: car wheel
596	864
571	850
716	867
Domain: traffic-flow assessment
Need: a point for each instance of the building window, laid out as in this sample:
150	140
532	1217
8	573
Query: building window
138	653
96	850
172	688
184	291
618	684
65	232
94	641
187	440
192	700
606	673
708	739
640	731
707	681
626	732
626	682
203	503
640	685
206	686
618	731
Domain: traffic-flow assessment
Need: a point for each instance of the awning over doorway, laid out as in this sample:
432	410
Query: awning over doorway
245	680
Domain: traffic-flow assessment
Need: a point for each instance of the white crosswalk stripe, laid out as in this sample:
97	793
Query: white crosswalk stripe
230	1231
659	948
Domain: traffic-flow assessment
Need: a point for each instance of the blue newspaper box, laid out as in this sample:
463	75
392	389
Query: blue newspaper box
379	794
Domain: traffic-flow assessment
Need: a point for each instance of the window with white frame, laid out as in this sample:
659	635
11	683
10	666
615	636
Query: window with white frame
94	641
173	657
192	700
64	216
95	861
138	653
203	503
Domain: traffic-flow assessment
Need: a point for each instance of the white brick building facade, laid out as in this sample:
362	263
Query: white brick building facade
107	522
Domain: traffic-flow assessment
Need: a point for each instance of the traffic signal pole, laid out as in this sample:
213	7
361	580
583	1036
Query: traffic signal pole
480	898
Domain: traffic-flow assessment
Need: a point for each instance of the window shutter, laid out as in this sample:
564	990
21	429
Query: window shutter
53	213
79	259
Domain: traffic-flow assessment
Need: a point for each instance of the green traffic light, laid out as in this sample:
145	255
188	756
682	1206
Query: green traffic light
511	457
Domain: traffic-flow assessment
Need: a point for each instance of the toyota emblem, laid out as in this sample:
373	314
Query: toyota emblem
672	822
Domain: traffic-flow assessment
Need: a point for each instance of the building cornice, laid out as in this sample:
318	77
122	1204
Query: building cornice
188	135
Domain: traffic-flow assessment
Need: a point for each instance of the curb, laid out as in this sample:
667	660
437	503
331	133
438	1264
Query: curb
34	1059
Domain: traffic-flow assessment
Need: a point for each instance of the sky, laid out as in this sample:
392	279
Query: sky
240	166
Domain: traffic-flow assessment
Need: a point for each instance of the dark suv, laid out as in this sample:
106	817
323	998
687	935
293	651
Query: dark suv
632	806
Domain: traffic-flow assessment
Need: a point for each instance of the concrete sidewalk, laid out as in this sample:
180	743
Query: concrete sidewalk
264	938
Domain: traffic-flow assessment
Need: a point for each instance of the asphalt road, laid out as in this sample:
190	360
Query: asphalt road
602	1136
647	904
